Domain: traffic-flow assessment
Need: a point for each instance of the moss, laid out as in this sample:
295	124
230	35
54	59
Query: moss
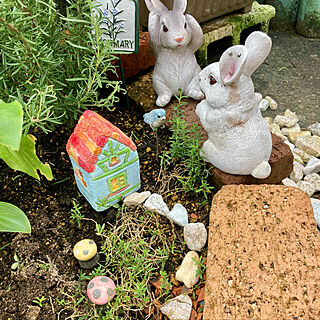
259	14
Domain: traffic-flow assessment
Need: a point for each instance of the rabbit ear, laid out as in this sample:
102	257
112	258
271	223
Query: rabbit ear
259	45
232	63
180	5
156	6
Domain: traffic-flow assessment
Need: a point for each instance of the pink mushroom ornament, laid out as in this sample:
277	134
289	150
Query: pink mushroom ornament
101	290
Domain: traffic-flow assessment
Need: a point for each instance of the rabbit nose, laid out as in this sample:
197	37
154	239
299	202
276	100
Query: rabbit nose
178	39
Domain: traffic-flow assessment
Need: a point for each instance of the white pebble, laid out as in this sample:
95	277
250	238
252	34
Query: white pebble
307	187
273	103
178	215
297	172
264	105
313	166
156	204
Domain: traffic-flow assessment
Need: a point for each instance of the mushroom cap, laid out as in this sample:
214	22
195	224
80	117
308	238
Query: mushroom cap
85	249
101	290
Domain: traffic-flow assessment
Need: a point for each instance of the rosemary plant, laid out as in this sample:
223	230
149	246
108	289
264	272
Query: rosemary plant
54	65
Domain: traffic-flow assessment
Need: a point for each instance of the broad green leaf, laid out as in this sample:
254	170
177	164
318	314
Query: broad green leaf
13	219
25	159
11	118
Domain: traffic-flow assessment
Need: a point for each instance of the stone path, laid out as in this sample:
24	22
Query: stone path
263	255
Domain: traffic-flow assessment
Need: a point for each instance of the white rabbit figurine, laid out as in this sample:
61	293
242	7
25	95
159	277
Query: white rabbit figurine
239	138
174	38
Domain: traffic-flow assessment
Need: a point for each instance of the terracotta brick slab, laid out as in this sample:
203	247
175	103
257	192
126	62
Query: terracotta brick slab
263	255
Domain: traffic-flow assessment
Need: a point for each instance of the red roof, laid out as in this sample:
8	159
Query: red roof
89	137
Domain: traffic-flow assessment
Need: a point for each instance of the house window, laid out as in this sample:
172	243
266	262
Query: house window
117	182
114	160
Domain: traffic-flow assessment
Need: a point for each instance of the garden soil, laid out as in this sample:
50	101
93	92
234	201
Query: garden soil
45	265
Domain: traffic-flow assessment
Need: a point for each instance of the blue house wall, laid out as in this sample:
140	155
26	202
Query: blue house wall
99	182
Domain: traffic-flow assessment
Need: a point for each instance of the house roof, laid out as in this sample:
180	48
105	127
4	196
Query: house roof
89	137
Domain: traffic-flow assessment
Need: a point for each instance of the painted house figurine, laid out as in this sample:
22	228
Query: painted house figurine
105	161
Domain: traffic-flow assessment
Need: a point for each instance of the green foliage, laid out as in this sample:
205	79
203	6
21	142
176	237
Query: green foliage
75	213
25	159
54	65
135	251
185	146
11	116
39	301
12	219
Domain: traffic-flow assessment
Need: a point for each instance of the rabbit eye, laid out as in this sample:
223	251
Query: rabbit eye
165	29
212	80
185	26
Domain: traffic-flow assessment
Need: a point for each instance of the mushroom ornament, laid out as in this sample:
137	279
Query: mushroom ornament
101	290
86	253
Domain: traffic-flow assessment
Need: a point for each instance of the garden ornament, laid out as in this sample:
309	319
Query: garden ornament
85	251
155	118
105	161
101	290
174	39
239	138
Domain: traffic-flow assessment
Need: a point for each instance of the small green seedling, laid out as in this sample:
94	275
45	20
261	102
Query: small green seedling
39	301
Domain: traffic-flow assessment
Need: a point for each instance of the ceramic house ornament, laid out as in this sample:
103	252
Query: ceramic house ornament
174	39
105	161
239	138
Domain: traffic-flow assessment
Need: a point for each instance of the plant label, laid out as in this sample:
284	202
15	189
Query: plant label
120	24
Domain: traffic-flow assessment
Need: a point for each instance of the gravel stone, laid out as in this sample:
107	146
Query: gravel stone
310	145
178	308
178	215
315	128
156	204
195	236
307	187
313	166
297	172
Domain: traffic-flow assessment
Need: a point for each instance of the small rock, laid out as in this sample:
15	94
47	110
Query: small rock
291	145
289	119
313	178
316	210
268	120
307	187
297	159
289	183
195	236
259	96
315	129
313	166
310	145
273	103
264	105
32	313
178	308
303	155
178	215
136	198
297	172
156	204
187	273
292	136
286	131
274	128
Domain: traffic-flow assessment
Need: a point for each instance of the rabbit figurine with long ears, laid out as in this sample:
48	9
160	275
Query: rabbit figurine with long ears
174	39
239	138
